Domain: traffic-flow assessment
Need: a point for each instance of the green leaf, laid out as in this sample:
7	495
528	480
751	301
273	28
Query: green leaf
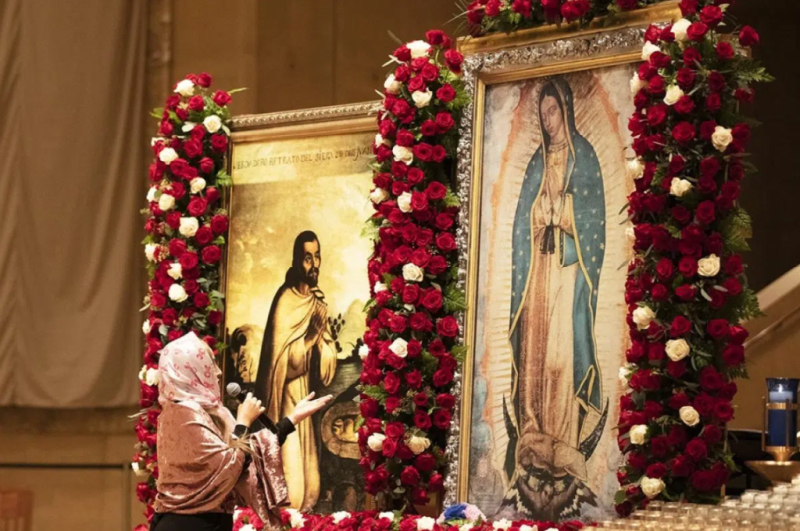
157	113
376	392
223	179
371	230
217	294
240	89
454	299
620	497
736	229
458	352
451	199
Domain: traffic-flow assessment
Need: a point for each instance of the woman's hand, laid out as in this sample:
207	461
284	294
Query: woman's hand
249	410
307	407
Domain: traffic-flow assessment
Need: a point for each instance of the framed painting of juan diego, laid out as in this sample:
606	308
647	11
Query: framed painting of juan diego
296	285
545	174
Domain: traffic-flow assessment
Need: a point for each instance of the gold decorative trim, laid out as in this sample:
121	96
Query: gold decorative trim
337	113
498	59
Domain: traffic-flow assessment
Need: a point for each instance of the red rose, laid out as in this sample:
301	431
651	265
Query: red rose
437	266
659	293
717	328
419	322
445	400
685	78
686	292
447	327
680	326
665	268
733	286
432	300
423	152
710	379
703	403
697	31
415	176
193	148
177	247
716	81
436	483
744	95
657	115
733	355
417	83
221	98
728	391
692	57
391	383
446	241
392	403
414	348
637	460
201	300
203	236
395	430
219	143
681	214
206	165
419	201
188	260
656	470
444	121
687	266
421	400
683	132
659	446
733	265
652	410
748	36
204	80
425	462
685	105
414	379
191	288
422	420
196	103
688	7
725	51
656	85
711	434
738	334
436	191
410	294
429	128
398	324
453	59
211	254
410	476
219	224
441	419
389	448
681	466
711	15
446	93
420	258
705	212
723	411
442	377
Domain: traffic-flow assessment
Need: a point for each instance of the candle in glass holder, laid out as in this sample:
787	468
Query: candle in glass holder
782	420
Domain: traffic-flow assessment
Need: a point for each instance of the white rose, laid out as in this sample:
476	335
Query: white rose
674	93
378	195
721	138
425	523
677	349
380	140
679	29
150	251
247	527
404	202
648	50
637	83
418	444
680	187
403	154
152	377
400	347
623	374
634	167
638	434
167	155
212	123
388	515
175	270
652	487
391	85
188	126
689	415
418	48
465	527
630	234
642	316
177	293
526	527
143	373
708	266
421	99
166	202
188	227
380	286
501	524
296	519
197	184
375	442
151	194
339	516
185	87
146	326
412	273
363	352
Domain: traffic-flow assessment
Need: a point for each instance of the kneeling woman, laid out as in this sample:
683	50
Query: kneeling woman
207	462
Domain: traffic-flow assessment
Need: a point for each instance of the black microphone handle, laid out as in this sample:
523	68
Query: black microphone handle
263	420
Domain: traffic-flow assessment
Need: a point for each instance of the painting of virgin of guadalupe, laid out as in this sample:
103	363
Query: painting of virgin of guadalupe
550	311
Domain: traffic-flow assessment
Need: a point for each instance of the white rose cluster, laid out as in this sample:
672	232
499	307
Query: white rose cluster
652	487
643	316
418	444
638	434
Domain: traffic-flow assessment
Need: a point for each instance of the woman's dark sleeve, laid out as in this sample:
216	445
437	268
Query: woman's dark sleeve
282	429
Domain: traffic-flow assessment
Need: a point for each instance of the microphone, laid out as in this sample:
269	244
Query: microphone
234	390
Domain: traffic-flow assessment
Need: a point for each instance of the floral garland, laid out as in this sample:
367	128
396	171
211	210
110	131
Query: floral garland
686	289
186	229
410	352
461	517
489	16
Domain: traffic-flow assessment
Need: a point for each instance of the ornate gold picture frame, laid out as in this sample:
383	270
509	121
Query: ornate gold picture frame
297	259
541	174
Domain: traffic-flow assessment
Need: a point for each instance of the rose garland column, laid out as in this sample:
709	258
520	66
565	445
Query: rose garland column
410	351
186	229
686	289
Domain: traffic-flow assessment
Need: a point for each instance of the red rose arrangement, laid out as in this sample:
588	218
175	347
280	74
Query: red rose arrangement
490	16
410	348
186	228
686	290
